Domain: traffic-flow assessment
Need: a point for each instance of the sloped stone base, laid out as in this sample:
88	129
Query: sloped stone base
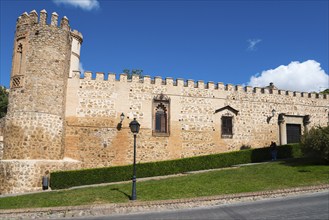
17	176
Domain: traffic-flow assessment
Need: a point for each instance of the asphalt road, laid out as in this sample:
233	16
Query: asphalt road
311	206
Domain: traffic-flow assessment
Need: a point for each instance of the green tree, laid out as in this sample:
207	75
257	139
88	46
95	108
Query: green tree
133	72
315	143
326	91
3	101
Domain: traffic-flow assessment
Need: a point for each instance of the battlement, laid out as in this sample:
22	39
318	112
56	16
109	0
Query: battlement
200	84
77	35
33	18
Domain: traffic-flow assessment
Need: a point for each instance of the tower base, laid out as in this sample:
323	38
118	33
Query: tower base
18	176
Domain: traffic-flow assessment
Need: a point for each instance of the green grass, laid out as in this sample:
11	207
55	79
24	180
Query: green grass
270	176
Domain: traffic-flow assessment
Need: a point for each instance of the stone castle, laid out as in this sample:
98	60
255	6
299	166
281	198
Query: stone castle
61	119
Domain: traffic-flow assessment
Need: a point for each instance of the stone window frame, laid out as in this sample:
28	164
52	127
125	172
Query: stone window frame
20	54
227	112
162	102
17	77
284	119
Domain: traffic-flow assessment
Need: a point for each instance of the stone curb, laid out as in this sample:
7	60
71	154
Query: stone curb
165	205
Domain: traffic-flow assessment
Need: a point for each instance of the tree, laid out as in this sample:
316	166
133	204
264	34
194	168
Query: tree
315	143
133	72
326	91
3	101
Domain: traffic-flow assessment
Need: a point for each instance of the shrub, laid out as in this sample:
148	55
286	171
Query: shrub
315	143
3	101
66	179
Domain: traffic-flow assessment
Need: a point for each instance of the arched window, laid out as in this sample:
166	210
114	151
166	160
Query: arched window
17	77
20	56
161	119
161	115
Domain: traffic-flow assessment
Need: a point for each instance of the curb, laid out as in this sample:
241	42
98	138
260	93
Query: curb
165	205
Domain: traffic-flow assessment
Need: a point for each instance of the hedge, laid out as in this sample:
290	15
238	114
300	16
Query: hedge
67	179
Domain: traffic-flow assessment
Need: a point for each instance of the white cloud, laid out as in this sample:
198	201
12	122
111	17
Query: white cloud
307	76
83	4
252	43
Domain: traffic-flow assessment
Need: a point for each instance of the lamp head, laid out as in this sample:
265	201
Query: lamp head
273	112
122	116
134	126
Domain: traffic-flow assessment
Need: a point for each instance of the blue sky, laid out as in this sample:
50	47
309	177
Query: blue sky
236	42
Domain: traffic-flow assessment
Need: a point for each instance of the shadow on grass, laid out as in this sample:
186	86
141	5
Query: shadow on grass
301	162
120	191
284	151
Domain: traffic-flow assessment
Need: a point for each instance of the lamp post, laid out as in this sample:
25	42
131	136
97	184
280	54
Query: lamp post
134	127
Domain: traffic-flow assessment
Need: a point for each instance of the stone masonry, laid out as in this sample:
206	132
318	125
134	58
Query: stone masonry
61	119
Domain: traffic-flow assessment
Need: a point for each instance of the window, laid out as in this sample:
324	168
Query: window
17	78
293	133
227	113
227	127
161	119
20	51
161	115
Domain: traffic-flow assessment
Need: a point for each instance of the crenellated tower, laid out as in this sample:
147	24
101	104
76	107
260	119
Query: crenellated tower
44	56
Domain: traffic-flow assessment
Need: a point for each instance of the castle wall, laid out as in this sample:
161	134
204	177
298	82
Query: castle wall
2	127
195	128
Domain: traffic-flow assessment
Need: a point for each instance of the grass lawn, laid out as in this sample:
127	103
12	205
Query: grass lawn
269	176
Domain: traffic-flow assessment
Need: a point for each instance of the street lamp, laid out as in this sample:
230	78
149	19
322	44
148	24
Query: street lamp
269	117
122	116
134	127
273	112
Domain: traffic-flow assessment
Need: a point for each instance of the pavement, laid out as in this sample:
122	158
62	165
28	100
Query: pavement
164	205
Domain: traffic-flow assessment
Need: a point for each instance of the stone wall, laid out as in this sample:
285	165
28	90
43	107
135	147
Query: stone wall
17	176
92	116
2	127
32	135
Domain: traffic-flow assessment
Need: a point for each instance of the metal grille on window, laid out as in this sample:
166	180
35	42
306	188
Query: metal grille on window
17	82
227	126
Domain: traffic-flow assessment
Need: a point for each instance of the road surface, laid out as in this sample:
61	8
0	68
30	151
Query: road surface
313	206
